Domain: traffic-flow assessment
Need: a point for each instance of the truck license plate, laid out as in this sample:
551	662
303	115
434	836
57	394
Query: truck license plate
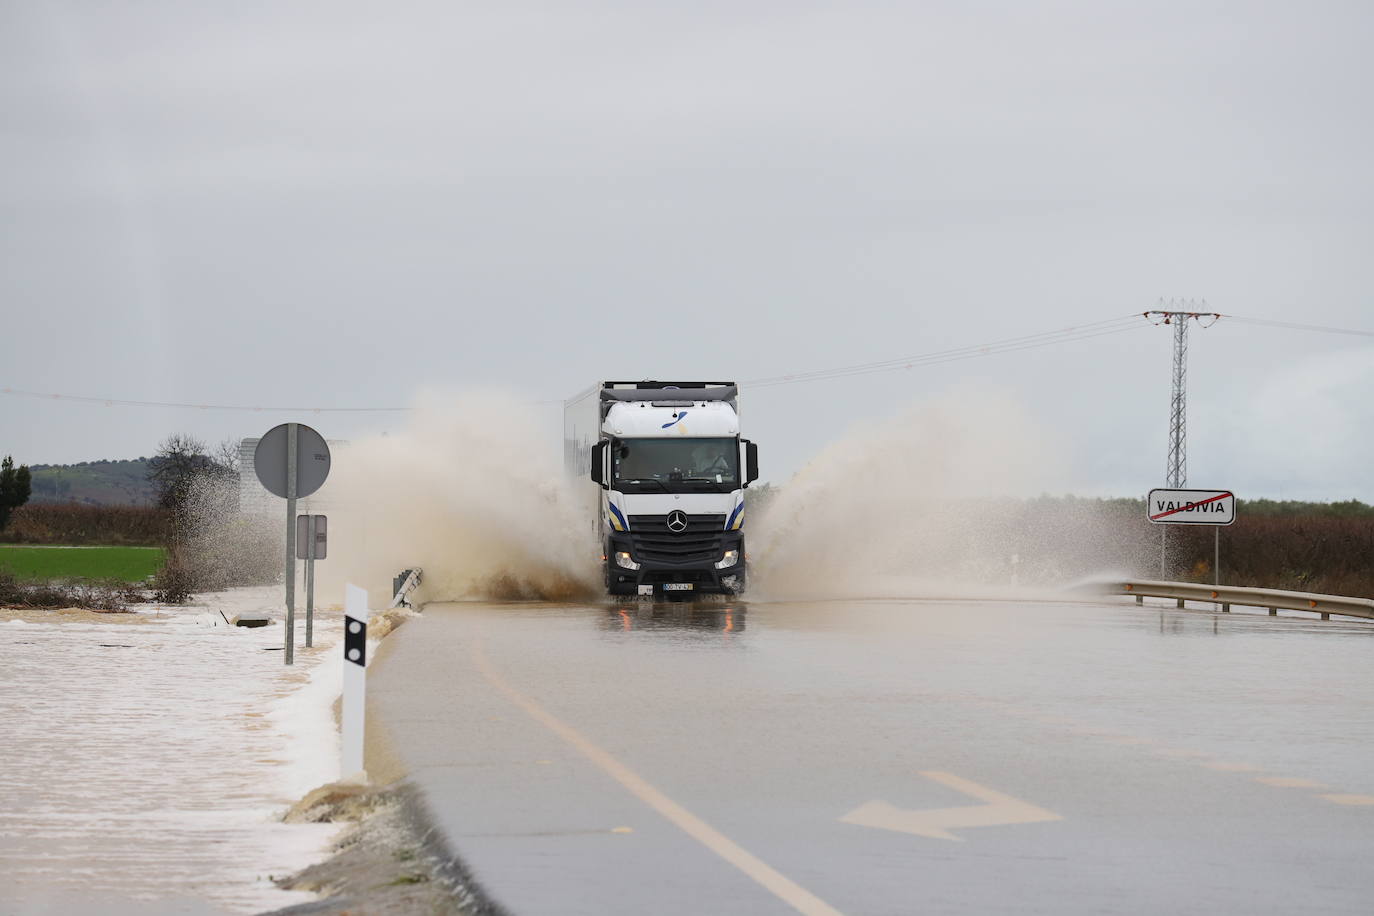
677	586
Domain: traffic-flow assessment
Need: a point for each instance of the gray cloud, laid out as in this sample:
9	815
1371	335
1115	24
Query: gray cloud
337	203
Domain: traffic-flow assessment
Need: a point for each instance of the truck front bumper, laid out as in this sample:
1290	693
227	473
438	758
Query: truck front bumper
667	577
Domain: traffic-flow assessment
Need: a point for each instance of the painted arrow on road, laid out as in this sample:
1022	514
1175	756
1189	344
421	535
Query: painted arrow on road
937	822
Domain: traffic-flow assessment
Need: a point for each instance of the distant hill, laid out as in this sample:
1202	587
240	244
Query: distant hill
94	483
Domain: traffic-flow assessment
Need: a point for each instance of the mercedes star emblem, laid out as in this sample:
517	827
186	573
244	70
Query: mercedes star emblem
677	521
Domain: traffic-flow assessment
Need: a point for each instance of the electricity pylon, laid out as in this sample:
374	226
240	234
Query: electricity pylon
1176	474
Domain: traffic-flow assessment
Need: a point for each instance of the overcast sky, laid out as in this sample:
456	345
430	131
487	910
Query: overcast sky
337	204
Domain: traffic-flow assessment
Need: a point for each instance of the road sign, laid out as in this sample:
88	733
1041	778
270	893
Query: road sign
312	460
303	524
292	461
312	543
1191	507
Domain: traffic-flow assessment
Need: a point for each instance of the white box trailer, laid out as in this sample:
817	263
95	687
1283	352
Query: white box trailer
672	469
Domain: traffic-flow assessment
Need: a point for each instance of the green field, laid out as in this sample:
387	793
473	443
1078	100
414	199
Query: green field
128	564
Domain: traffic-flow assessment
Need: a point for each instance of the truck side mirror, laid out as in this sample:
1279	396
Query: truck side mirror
599	464
751	462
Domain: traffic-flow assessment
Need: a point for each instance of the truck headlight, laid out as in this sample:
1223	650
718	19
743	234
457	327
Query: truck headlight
624	560
730	558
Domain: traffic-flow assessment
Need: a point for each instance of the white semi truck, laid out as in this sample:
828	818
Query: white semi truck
672	469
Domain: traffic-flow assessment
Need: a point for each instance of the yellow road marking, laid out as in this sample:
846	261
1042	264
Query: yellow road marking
796	896
622	830
1350	799
1290	782
936	823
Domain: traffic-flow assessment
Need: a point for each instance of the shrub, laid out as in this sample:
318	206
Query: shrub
1328	553
174	582
91	595
69	523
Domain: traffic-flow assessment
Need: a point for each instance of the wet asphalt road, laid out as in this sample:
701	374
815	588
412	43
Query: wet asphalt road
892	756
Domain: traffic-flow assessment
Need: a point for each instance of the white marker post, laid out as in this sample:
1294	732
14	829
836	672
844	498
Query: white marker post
354	682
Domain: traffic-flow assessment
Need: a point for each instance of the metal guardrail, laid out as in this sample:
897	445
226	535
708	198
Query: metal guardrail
402	585
1272	598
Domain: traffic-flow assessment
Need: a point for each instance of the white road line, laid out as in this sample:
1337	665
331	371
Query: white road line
936	823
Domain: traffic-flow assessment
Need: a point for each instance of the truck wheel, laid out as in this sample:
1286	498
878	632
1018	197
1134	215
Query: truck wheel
738	587
616	588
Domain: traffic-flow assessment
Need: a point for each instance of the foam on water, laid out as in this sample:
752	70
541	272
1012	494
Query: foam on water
146	767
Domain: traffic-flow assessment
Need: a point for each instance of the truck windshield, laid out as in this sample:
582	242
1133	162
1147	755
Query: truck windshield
675	465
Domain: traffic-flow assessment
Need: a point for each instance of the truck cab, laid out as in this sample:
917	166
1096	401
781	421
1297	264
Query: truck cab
672	470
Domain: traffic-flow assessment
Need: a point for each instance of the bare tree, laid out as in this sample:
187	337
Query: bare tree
226	457
180	459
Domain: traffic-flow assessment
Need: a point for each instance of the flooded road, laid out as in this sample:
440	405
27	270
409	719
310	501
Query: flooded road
891	756
146	764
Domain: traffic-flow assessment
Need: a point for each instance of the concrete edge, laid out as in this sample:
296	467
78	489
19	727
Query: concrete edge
418	818
449	866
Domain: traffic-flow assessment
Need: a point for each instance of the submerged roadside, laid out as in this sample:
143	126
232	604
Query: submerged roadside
391	859
391	862
149	757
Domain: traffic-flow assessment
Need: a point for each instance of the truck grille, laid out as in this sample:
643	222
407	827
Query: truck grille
658	524
653	542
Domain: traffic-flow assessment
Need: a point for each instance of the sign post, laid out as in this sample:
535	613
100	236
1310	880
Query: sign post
292	451
309	580
311	544
1163	552
1192	507
291	461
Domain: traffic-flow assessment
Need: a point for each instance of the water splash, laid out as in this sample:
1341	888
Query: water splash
929	502
472	491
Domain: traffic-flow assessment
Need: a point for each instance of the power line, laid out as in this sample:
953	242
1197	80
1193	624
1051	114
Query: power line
938	359
1298	327
974	351
1005	345
124	402
1071	334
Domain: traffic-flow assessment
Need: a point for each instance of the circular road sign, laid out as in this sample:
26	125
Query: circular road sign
312	460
